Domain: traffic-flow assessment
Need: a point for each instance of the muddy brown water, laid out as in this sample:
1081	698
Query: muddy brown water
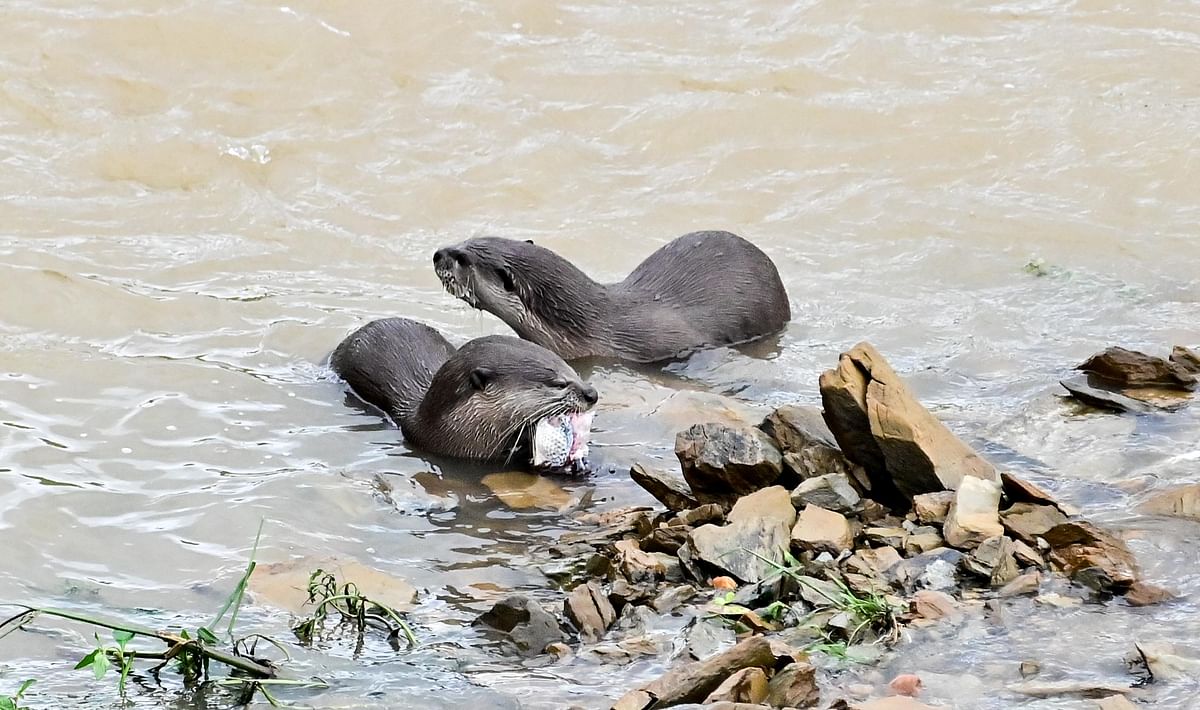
199	199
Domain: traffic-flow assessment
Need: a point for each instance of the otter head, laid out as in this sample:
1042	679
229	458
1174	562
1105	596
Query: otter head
491	396
539	294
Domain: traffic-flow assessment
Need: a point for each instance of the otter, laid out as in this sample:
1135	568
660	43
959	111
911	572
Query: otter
701	290
493	399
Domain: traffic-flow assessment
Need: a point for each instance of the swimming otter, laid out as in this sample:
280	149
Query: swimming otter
701	289
482	401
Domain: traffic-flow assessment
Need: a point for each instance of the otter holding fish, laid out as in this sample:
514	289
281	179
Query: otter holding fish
700	290
496	398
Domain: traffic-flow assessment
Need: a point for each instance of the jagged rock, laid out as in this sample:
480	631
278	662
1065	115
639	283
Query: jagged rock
1028	521
1092	556
831	492
889	536
707	513
795	686
703	638
880	425
1130	368
1028	583
1026	555
1018	490
722	463
874	561
993	560
529	627
1166	663
1186	358
673	597
809	448
668	490
666	538
974	515
933	605
931	508
1115	702
758	527
1180	502
590	611
820	529
895	702
693	682
818	592
1146	594
748	685
638	565
917	543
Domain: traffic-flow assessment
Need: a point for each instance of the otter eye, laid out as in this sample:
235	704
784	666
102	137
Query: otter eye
559	383
506	278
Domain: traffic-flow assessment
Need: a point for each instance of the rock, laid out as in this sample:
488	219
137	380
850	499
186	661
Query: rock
974	515
993	561
668	490
530	628
521	490
923	542
673	597
1018	490
820	529
638	565
1115	702
700	515
795	686
1068	688
818	592
895	702
931	508
1186	358
1095	395
934	605
1028	583
889	536
1026	555
589	609
831	491
907	684
1130	368
880	425
1179	502
724	583
1029	669
666	539
703	638
693	682
875	561
1092	556
758	528
722	463
809	448
1165	662
285	584
1146	594
748	685
1029	521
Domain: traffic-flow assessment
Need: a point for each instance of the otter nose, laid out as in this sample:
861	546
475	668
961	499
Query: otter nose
447	255
440	256
589	394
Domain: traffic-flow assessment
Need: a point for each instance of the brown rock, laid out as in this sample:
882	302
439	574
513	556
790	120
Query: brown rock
1179	502
889	536
1186	358
1130	368
758	528
528	626
974	515
1028	521
1146	594
881	426
918	543
876	561
1026	555
748	685
707	513
722	463
637	565
934	605
668	490
908	684
1089	391
809	448
590	611
1018	490
1092	556
1115	702
666	539
931	508
895	702
795	686
693	682
820	529
1028	583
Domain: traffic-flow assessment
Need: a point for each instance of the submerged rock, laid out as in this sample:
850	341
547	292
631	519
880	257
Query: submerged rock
896	702
1092	556
590	611
721	462
693	682
1146	594
529	627
1130	368
1094	394
758	527
974	515
881	426
1181	502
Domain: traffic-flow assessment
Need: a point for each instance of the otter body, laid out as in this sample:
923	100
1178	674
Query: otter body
480	401
700	290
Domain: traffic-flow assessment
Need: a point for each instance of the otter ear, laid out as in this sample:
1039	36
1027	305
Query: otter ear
506	278
480	376
529	241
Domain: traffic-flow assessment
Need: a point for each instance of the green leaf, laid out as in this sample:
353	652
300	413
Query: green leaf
24	686
123	637
206	636
7	703
100	664
88	659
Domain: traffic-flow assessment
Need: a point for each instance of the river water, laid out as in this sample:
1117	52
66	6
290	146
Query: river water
200	198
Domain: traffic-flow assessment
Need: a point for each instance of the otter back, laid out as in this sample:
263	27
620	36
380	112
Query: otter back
390	362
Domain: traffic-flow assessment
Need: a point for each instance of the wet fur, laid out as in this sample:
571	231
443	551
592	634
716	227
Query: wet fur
480	401
702	289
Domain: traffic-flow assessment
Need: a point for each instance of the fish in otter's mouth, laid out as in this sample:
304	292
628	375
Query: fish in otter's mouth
454	287
561	441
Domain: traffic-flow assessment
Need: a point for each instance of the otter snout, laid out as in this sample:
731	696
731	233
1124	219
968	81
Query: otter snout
446	256
589	394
